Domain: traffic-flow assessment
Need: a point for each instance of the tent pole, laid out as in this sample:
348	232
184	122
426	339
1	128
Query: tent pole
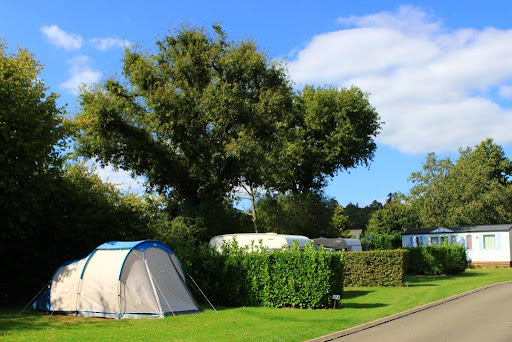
26	306
201	292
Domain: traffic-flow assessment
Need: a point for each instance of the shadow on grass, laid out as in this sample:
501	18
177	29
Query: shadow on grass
423	280
362	305
349	294
37	320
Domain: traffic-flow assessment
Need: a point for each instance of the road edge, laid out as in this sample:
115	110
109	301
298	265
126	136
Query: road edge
383	320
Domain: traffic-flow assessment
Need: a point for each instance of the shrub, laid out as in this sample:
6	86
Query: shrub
377	241
244	277
375	268
434	260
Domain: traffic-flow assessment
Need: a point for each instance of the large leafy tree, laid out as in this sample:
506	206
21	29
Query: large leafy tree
197	118
205	116
30	132
476	189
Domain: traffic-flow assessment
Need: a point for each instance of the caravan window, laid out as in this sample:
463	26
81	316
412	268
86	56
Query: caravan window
435	240
453	240
469	242
444	240
489	242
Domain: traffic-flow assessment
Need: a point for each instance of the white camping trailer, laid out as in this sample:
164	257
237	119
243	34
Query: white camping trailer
354	245
270	241
337	244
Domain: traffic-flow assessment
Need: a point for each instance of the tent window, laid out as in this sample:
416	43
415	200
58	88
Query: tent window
489	241
469	243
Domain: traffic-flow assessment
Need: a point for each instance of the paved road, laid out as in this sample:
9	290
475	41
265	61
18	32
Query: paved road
481	316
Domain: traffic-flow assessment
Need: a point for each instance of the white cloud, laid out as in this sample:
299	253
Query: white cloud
407	18
104	44
430	85
80	73
62	39
121	178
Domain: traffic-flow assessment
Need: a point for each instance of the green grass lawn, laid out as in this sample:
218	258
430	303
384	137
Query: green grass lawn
359	305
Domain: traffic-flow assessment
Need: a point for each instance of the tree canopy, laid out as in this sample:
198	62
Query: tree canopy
30	130
205	115
476	189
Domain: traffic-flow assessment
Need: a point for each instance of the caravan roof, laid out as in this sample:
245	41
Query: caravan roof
269	240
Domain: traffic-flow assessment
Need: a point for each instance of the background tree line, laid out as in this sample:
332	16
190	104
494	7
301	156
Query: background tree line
474	189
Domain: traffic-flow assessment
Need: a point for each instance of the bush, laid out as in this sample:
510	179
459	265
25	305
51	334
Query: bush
294	278
377	241
375	268
434	260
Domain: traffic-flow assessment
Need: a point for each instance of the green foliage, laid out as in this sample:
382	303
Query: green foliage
375	268
333	130
358	217
376	241
474	190
196	118
77	213
339	222
303	214
255	277
434	260
204	115
31	135
396	217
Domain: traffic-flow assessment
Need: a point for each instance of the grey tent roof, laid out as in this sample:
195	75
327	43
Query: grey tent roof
464	229
334	243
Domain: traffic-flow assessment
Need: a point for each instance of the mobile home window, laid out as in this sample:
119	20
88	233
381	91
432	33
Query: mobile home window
444	240
416	241
489	242
453	239
435	240
469	243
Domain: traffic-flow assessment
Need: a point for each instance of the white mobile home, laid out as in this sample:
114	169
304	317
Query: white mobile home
486	245
270	241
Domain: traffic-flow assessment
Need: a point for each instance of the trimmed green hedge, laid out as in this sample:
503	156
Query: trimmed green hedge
375	268
281	278
434	260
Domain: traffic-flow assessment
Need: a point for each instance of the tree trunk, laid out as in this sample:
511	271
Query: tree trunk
253	208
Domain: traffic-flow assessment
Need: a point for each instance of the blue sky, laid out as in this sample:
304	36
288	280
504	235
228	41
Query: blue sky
440	74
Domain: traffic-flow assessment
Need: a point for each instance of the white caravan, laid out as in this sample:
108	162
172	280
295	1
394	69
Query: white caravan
354	245
337	244
270	241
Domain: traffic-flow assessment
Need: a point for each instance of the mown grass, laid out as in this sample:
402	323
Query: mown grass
359	305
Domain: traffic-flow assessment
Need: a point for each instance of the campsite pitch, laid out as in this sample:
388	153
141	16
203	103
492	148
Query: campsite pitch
359	305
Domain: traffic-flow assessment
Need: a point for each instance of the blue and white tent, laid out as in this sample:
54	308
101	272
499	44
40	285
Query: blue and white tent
132	279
